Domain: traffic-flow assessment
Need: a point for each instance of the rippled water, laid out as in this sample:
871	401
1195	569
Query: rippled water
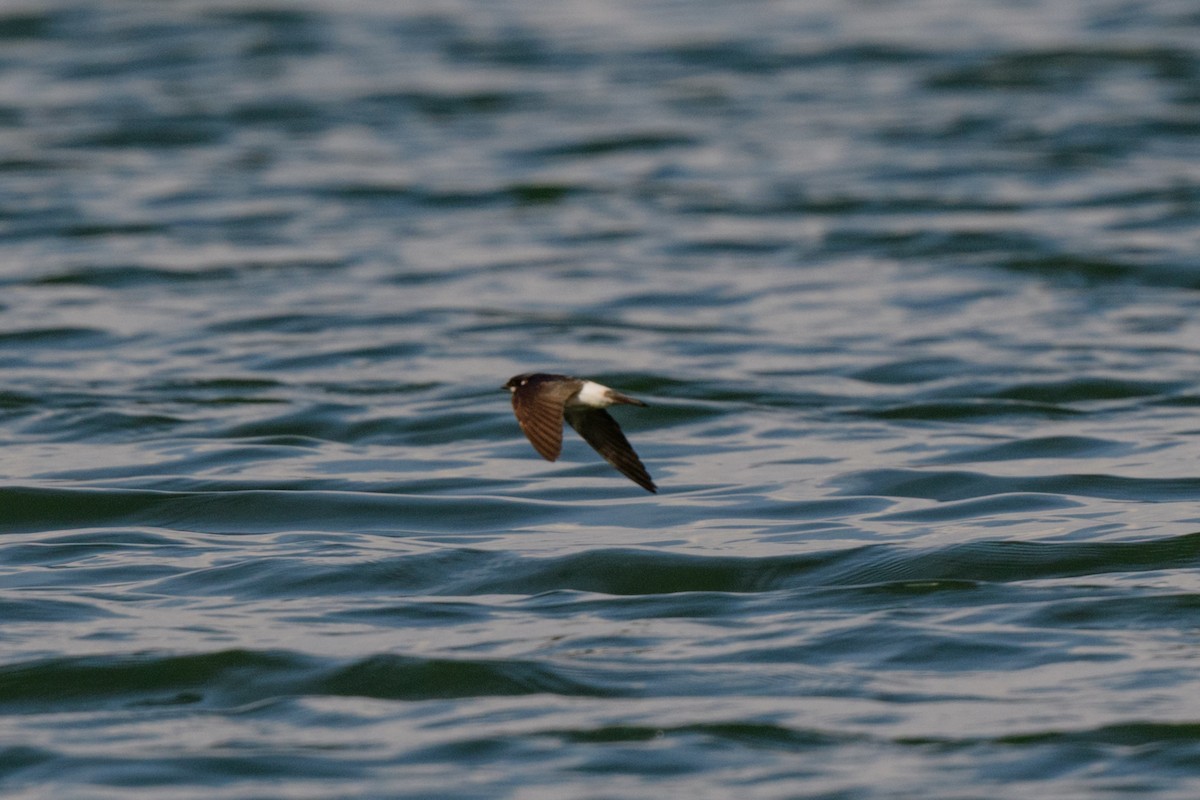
911	288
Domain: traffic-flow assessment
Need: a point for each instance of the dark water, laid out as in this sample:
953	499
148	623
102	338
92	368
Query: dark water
912	288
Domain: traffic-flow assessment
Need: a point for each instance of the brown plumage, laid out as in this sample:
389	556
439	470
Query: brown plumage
542	401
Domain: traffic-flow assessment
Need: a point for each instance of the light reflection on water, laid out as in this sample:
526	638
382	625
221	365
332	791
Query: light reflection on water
910	294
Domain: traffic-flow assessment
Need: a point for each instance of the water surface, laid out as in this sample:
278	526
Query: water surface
911	289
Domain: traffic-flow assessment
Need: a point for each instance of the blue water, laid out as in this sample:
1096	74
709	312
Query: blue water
912	290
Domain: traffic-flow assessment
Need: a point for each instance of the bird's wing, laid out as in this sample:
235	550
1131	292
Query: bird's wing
602	432
540	415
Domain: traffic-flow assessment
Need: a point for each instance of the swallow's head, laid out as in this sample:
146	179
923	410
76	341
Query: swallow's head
517	381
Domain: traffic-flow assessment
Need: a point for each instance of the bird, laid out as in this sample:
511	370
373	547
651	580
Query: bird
542	401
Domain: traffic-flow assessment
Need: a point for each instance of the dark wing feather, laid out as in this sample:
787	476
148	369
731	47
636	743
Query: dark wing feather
602	432
540	415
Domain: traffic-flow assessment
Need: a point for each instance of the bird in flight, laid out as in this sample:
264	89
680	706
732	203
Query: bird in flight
541	402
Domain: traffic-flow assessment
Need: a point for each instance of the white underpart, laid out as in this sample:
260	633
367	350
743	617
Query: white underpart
591	394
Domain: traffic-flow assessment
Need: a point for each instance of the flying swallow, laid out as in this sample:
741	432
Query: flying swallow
541	402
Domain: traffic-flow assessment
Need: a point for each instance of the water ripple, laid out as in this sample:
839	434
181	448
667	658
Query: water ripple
910	294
